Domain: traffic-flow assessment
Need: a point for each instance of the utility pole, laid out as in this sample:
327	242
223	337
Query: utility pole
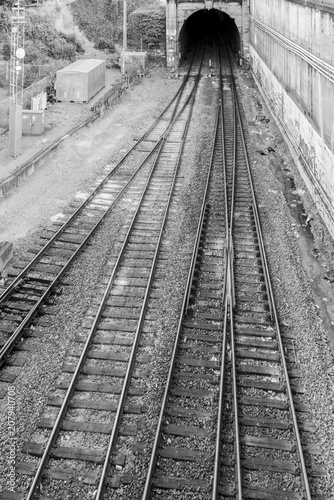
124	36
17	54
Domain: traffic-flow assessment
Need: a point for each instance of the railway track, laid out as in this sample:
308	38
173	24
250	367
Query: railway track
265	455
228	370
116	330
228	427
38	279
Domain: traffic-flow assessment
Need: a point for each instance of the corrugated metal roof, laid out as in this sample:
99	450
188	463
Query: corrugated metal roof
82	66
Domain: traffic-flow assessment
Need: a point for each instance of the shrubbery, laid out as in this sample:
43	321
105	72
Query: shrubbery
42	39
5	20
6	50
30	76
103	44
73	40
102	21
3	82
96	19
45	42
56	44
147	26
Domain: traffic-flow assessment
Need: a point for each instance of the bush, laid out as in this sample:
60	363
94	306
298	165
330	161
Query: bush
5	22
148	26
68	51
58	14
38	29
61	50
6	51
57	45
35	53
72	40
30	76
102	44
96	19
3	82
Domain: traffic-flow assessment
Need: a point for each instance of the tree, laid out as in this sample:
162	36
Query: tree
5	23
147	25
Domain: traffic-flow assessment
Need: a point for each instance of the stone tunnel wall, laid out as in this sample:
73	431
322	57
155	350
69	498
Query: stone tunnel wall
292	56
178	11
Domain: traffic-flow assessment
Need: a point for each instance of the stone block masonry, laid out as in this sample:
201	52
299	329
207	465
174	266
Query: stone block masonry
179	11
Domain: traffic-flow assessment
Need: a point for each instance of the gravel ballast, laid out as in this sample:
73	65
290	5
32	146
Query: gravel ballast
291	255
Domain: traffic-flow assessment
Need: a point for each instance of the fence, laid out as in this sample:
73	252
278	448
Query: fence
28	93
36	88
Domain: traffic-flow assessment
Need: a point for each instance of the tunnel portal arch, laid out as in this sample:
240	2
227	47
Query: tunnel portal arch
182	15
203	23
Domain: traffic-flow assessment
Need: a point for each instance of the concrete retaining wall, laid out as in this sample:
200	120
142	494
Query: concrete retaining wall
292	55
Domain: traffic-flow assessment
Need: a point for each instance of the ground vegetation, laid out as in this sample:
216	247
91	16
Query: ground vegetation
102	21
52	38
146	27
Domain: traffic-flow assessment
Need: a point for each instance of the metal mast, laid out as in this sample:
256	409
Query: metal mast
16	52
124	35
16	77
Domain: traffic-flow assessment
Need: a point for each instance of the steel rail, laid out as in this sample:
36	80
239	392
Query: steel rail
229	304
255	211
257	220
272	311
17	334
225	301
196	250
235	407
230	299
225	188
120	409
216	471
64	407
279	336
201	219
272	302
106	467
184	83
156	443
71	388
229	252
21	275
264	261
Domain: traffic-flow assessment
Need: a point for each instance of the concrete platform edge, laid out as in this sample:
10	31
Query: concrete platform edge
29	167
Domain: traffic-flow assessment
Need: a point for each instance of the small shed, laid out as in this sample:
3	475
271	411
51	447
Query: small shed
81	80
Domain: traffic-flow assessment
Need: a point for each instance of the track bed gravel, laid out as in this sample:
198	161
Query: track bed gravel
290	254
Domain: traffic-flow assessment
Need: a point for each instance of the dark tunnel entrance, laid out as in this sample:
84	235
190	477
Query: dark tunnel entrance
208	23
